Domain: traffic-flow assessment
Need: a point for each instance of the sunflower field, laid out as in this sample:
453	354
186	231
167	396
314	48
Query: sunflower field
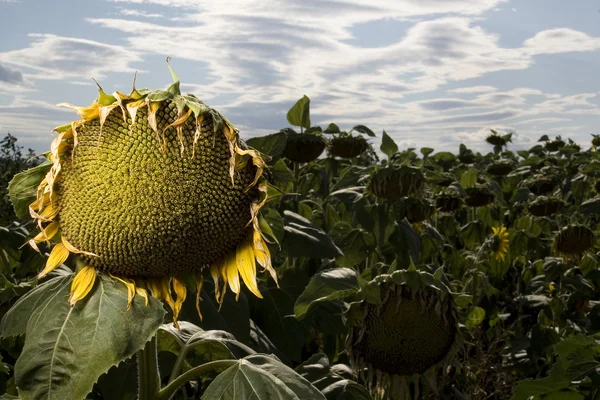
154	255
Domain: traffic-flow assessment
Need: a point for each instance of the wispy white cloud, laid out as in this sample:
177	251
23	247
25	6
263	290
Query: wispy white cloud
138	13
56	57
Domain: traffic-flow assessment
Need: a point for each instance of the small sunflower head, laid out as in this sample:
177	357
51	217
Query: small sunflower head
499	243
151	187
574	240
395	183
411	331
540	184
303	148
500	168
544	206
347	146
496	140
417	209
479	196
595	140
448	202
555	145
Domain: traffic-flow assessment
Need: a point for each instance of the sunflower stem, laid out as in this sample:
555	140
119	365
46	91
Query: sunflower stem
149	378
168	391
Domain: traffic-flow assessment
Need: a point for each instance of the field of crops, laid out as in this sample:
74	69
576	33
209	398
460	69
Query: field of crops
369	272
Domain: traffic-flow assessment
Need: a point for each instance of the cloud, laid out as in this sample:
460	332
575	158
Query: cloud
10	75
446	104
561	40
56	57
137	13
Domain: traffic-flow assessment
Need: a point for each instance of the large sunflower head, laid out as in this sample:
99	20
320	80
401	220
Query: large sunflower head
499	243
573	240
410	330
303	147
150	188
394	183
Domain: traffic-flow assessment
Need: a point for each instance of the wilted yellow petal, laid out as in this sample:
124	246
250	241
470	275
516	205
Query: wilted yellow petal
246	265
103	113
140	291
199	284
152	109
233	277
181	293
133	107
72	248
58	255
178	125
87	113
257	161
262	254
130	285
82	284
46	234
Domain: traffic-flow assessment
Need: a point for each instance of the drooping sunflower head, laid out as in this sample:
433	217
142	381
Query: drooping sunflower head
417	209
574	239
499	243
497	140
500	168
393	183
448	201
544	206
479	196
151	187
412	329
540	184
303	148
349	146
595	140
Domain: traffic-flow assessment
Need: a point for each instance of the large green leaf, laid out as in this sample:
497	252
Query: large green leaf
22	189
590	207
260	377
303	239
328	285
527	388
271	145
68	348
15	320
274	315
388	146
299	114
364	130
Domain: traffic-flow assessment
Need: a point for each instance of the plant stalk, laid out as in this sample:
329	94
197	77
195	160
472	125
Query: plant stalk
148	373
168	391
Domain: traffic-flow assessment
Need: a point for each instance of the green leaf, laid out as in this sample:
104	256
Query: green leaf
328	285
590	207
388	146
271	145
159	95
261	377
299	114
274	315
426	151
364	130
68	348
15	320
22	189
174	87
475	317
469	178
346	389
303	239
332	128
536	387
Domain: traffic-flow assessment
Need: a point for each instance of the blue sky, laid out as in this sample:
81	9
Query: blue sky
430	72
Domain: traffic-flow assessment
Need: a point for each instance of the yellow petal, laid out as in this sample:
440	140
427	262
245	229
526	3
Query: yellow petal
72	248
103	113
152	109
133	107
246	265
257	161
181	293
140	291
199	284
263	256
87	113
48	233
178	125
130	285
233	277
82	284
58	255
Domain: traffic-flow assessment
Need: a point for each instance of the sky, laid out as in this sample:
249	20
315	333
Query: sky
432	73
